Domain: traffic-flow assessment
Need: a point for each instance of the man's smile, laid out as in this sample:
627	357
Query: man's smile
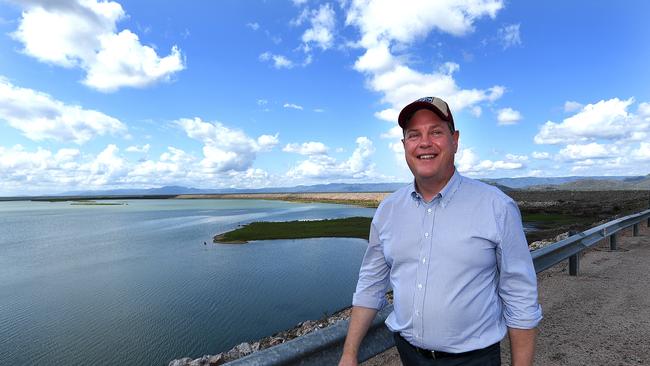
427	156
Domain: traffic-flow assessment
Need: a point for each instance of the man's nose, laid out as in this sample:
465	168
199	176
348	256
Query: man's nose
426	141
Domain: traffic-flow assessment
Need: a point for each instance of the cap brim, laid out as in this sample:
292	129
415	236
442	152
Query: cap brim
410	109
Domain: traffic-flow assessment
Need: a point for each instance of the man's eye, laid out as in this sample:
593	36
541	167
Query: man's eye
412	136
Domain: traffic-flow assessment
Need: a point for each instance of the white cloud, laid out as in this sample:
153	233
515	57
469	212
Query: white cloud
45	172
262	102
41	117
643	152
299	2
358	166
83	34
253	25
292	106
306	148
319	110
571	106
394	21
279	61
541	155
386	26
322	27
476	111
509	36
468	162
139	149
268	142
587	151
224	148
607	120
508	116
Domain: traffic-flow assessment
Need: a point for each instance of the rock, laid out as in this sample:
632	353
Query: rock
185	361
244	349
216	360
203	361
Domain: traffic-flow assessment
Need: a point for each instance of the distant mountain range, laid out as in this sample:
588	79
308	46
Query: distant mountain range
534	183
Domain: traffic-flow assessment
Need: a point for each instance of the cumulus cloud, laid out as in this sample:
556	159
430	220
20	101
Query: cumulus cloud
268	142
586	151
279	61
322	27
306	148
253	25
41	117
606	135
386	25
321	166
571	106
138	149
508	116
71	33
292	106
468	162
606	119
43	171
541	155
224	148
509	36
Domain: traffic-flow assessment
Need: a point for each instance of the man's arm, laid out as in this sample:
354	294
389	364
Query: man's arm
522	346
360	321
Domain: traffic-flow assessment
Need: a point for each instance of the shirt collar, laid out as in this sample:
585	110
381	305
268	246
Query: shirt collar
446	193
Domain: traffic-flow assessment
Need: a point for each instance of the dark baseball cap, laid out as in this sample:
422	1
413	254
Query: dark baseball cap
434	104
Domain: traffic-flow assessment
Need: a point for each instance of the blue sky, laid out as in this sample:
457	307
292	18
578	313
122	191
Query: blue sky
98	95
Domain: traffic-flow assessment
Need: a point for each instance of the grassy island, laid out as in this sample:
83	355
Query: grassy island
349	227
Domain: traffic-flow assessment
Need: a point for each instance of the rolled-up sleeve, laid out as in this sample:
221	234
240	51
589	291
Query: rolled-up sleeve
373	275
517	278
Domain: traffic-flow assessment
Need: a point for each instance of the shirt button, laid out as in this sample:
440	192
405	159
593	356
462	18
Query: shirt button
429	210
426	235
424	260
419	285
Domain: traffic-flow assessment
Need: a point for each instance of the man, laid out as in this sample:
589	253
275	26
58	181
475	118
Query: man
454	252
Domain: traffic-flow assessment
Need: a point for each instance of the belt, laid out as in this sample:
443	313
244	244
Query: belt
439	354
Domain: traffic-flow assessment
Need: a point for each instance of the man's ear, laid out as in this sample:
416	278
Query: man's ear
456	137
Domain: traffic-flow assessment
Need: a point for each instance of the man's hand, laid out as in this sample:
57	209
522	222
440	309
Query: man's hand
360	321
522	346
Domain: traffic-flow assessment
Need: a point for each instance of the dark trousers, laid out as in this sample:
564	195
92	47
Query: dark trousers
413	356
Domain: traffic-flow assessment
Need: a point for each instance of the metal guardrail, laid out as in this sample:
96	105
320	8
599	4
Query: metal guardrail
324	347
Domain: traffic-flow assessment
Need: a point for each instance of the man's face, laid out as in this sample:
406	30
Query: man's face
429	147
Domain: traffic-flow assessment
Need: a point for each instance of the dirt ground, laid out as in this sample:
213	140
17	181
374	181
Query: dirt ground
600	317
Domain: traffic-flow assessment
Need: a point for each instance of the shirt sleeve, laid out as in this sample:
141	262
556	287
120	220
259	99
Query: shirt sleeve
517	278
373	275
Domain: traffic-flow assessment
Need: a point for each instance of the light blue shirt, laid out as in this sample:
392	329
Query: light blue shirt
459	266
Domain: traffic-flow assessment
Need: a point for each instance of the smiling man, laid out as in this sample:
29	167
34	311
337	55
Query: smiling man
454	252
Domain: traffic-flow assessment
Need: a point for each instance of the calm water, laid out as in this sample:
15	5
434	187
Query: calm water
135	285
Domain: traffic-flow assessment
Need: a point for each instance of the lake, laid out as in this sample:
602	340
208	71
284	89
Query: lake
135	284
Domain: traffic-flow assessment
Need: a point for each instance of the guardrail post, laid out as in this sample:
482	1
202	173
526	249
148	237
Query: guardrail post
612	242
635	230
574	260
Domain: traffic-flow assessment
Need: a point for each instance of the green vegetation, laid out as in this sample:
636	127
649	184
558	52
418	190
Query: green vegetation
349	227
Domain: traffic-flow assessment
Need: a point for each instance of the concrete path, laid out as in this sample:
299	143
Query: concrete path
600	317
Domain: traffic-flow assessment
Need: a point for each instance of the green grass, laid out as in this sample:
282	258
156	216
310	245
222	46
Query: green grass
350	227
